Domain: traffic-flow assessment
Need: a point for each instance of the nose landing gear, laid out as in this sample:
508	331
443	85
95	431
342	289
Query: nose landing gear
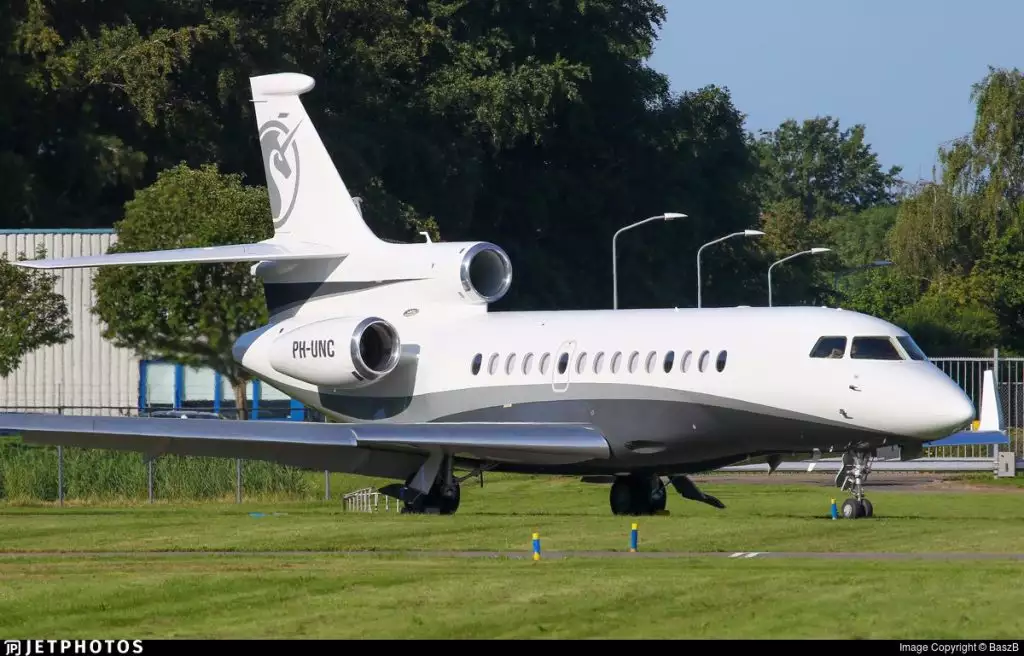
853	473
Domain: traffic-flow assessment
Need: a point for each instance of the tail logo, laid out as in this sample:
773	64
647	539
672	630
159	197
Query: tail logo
281	162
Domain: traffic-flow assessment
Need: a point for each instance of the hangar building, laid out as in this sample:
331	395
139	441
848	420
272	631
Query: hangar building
89	375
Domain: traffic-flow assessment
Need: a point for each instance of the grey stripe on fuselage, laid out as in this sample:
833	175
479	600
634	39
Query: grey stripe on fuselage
645	426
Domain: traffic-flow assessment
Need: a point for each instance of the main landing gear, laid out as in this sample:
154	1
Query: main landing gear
640	494
445	489
852	475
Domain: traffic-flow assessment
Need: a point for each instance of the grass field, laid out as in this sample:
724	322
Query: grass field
145	594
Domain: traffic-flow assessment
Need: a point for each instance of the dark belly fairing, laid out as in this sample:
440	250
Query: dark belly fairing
645	426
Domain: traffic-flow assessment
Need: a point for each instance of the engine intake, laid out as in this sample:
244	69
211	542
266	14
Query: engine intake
485	272
375	348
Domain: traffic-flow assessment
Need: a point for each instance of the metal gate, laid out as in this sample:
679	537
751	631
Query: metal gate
1009	379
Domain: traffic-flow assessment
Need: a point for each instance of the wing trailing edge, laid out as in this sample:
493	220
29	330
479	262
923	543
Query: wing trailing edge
373	449
257	252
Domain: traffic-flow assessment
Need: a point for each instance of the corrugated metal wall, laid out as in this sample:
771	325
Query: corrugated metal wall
86	372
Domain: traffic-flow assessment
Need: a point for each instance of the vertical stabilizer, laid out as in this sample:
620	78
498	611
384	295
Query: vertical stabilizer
991	418
308	199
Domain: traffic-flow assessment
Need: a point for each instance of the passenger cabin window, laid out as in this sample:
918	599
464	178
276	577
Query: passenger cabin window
669	359
911	347
874	348
829	347
563	363
477	361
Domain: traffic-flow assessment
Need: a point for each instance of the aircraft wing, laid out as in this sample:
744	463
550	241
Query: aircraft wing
260	251
989	428
374	449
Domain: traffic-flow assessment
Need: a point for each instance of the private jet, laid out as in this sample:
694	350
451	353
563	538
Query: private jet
395	344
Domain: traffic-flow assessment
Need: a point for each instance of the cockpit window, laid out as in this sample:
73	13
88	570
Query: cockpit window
829	347
874	348
911	347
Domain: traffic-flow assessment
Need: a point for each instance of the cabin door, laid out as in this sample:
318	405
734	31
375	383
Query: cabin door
561	369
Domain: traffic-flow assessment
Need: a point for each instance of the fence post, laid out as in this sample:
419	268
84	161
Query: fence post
150	468
327	485
60	474
995	383
238	480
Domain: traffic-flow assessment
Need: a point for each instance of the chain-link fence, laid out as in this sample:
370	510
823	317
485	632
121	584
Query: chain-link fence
1009	379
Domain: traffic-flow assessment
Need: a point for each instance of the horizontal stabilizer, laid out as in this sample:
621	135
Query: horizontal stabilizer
373	449
968	438
258	252
989	428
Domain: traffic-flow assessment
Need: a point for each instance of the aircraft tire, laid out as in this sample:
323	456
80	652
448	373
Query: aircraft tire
852	509
867	509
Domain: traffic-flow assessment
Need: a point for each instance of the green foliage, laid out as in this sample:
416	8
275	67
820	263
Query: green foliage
538	126
187	313
29	473
828	171
32	313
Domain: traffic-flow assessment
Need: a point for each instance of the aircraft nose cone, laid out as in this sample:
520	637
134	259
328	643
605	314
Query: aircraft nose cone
956	411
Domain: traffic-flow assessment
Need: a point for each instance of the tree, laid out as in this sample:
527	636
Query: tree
965	230
829	171
32	314
189	313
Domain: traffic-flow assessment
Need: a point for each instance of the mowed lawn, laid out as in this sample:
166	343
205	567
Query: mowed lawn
317	596
567	514
382	596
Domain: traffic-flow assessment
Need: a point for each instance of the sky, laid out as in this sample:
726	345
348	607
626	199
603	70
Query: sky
903	68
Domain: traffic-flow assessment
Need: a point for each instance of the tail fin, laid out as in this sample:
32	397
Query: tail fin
308	199
314	215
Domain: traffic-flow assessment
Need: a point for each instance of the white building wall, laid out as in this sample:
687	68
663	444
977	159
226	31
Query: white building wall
86	373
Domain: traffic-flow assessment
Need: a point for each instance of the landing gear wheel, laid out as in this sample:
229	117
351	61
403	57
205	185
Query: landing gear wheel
852	509
621	497
637	495
868	510
449	503
435	501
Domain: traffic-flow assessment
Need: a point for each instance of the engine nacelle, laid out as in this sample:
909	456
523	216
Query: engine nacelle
343	352
485	273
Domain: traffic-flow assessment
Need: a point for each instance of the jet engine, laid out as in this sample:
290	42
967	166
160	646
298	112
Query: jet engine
343	352
485	273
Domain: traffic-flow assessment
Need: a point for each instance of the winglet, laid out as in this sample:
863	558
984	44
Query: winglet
989	428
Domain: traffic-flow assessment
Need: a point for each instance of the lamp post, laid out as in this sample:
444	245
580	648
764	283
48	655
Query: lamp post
742	233
667	216
812	251
871	265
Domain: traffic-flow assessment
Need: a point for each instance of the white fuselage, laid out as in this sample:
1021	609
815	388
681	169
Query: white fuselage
752	366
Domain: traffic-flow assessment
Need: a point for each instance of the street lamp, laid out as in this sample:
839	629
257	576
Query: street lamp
812	251
667	216
743	233
872	265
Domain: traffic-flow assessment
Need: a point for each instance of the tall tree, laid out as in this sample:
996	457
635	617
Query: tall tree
32	313
830	171
965	230
187	313
439	113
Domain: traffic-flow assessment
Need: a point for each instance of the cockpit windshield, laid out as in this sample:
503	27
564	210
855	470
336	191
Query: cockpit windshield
829	347
874	348
911	347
